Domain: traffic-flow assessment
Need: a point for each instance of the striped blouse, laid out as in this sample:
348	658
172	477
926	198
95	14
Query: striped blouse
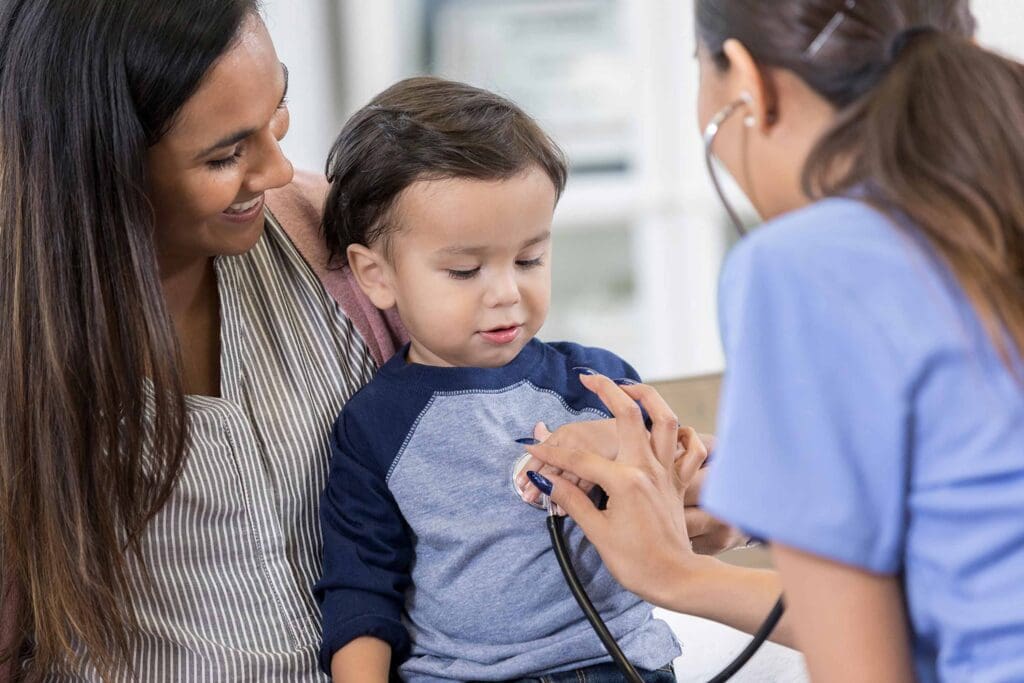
235	551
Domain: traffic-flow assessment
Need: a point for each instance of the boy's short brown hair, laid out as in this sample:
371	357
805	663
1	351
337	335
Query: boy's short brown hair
425	128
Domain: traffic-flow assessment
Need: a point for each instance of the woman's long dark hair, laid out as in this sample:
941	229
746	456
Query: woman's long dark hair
86	86
930	124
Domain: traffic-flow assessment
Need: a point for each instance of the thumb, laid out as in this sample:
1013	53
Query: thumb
541	432
577	505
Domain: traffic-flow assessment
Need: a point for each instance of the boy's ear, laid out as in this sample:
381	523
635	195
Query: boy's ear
373	274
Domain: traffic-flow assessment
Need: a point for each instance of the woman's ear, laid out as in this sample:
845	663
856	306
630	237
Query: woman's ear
755	86
374	275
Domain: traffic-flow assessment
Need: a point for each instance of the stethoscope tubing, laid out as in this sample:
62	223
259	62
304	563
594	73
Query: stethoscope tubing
556	526
556	523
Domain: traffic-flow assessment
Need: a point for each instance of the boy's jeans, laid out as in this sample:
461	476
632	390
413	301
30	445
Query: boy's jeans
603	673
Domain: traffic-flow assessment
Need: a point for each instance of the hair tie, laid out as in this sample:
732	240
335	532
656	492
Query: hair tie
903	38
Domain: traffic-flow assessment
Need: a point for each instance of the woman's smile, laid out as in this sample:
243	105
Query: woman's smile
243	212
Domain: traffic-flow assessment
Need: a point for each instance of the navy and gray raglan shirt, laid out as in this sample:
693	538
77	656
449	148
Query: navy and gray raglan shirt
427	545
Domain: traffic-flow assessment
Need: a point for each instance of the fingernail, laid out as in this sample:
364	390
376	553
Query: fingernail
625	382
585	370
528	441
540	482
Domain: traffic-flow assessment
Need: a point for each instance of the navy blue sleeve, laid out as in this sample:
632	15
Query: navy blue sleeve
367	550
600	360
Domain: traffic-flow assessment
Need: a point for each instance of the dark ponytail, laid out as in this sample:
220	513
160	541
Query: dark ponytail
941	139
86	86
930	126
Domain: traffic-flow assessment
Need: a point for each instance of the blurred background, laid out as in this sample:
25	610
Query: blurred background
639	234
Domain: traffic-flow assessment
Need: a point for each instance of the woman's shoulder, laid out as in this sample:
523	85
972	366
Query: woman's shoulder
844	265
298	210
832	228
838	244
298	206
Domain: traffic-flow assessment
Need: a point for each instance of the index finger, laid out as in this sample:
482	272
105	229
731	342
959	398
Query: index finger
583	464
664	423
634	439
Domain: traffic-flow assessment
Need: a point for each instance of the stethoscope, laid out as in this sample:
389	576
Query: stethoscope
556	522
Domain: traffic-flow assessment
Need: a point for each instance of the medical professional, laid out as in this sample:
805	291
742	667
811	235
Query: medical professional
872	418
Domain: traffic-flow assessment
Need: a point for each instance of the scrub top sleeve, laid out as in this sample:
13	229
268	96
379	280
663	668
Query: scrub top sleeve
813	420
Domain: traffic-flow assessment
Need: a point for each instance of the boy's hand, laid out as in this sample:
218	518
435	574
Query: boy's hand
364	660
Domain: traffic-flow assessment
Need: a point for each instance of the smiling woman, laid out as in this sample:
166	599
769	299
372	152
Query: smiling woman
208	173
157	484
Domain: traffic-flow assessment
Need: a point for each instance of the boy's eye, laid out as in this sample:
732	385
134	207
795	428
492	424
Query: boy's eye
463	274
530	263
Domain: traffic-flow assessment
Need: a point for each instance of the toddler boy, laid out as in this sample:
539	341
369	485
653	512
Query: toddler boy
442	199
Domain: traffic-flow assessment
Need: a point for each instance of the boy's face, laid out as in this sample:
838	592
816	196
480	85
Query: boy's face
471	267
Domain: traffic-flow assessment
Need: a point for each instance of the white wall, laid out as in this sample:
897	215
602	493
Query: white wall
305	33
341	52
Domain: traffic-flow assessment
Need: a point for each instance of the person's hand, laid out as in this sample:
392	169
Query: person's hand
596	436
708	535
641	535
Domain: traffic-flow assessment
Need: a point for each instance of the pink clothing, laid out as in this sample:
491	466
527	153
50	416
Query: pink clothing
298	207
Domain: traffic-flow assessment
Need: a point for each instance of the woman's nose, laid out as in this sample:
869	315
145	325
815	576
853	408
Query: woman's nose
270	168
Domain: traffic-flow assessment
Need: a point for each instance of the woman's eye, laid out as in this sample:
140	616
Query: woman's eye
226	161
530	263
462	274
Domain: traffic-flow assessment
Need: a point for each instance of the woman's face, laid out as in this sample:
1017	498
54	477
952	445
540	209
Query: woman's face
765	143
207	176
718	90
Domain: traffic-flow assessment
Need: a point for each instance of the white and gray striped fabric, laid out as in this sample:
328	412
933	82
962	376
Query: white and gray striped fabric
234	553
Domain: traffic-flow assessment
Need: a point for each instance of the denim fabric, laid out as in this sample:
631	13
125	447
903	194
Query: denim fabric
603	673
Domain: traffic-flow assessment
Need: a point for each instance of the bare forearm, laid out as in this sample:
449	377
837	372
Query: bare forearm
364	660
840	613
735	596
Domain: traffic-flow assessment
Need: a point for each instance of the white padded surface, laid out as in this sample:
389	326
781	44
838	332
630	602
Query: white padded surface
708	646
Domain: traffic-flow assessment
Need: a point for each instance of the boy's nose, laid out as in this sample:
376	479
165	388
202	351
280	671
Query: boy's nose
503	291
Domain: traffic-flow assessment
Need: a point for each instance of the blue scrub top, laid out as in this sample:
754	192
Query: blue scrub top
867	418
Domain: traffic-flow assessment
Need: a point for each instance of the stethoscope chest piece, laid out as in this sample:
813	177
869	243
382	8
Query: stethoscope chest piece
517	469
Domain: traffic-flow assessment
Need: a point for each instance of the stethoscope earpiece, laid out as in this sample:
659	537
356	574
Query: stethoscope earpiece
710	133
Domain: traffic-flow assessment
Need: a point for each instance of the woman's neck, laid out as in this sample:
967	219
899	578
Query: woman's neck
190	291
187	285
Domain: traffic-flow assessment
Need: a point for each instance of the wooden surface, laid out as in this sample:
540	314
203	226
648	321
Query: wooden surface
695	400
